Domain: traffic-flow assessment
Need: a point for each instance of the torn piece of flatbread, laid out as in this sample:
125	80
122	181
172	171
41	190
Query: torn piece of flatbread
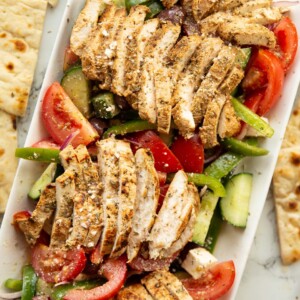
286	187
21	26
8	162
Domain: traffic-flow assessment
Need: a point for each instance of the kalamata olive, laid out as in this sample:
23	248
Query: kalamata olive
99	125
190	26
174	14
121	102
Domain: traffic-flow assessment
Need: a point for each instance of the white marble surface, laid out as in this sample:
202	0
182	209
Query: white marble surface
264	277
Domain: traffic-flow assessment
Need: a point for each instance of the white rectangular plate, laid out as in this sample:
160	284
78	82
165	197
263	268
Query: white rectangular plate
233	243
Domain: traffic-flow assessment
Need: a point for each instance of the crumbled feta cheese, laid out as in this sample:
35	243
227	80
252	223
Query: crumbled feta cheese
105	33
108	52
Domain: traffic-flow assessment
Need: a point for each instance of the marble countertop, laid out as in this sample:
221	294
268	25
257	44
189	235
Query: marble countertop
264	277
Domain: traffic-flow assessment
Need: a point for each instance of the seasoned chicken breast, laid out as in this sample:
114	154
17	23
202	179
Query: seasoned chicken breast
147	195
250	6
134	292
85	23
131	24
232	80
172	217
201	8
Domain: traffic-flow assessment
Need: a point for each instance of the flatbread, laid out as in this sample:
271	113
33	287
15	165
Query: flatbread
8	162
21	25
286	190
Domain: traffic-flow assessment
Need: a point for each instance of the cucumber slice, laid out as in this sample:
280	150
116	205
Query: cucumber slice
77	86
235	205
46	178
105	105
208	204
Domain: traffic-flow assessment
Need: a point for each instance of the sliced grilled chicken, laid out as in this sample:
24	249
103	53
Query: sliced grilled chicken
233	79
172	217
206	92
243	33
264	16
166	78
65	191
134	292
187	234
45	208
147	196
189	82
94	59
225	5
164	285
155	52
108	161
187	6
127	196
86	21
229	123
210	24
131	24
250	6
201	8
134	61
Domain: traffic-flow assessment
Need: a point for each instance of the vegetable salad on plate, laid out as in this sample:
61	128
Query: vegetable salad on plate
158	105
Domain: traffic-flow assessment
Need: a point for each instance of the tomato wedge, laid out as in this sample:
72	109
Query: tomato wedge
190	153
165	160
70	58
62	118
215	284
268	63
114	270
46	143
287	39
57	265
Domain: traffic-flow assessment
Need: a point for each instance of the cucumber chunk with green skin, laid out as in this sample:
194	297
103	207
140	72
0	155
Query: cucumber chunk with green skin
77	86
105	106
208	204
46	178
235	205
43	288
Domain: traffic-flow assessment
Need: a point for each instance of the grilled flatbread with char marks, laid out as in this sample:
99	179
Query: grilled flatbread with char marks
127	197
147	196
189	82
173	216
86	21
134	292
132	23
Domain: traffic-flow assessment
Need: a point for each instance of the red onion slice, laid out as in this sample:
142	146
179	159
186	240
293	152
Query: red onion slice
69	139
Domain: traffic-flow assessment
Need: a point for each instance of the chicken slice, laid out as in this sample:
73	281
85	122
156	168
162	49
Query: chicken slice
147	195
187	233
134	292
136	48
127	196
65	191
250	6
86	21
108	161
243	33
264	16
45	208
166	78
132	22
225	5
173	216
201	8
208	87
94	61
155	52
229	123
232	80
209	130
189	82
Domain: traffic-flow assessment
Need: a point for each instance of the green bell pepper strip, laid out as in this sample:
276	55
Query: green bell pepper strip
14	284
60	291
128	127
29	282
155	8
243	148
38	154
251	118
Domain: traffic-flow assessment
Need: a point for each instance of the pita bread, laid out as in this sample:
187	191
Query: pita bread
21	25
286	189
8	162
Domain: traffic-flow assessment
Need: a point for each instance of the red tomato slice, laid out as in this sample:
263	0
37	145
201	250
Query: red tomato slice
46	143
287	39
165	160
190	153
114	270
215	284
70	59
57	265
269	64
20	216
62	118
